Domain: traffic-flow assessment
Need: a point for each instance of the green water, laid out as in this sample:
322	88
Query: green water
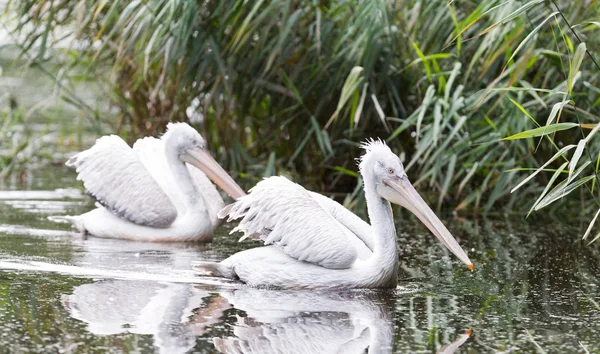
535	289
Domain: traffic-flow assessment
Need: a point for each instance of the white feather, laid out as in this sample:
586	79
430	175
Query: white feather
113	174
148	192
151	152
212	199
316	242
275	220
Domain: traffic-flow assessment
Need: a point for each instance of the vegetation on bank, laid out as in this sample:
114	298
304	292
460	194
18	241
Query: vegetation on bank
475	95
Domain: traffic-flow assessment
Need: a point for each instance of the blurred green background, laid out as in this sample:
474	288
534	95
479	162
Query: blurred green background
293	87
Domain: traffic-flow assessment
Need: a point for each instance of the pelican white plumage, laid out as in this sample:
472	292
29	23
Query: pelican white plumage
149	192
314	242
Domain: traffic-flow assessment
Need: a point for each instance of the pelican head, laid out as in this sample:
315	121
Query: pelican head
380	165
191	148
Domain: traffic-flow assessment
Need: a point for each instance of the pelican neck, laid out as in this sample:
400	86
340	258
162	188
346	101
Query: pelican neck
385	254
181	175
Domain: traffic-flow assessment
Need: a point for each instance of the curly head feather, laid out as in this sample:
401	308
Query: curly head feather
184	134
371	147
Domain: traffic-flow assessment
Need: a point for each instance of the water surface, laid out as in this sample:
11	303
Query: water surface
535	289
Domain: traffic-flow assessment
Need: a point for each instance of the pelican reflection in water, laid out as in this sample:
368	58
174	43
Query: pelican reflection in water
310	322
150	192
314	242
275	321
177	314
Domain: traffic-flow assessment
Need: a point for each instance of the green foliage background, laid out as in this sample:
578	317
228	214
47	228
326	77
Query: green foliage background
293	87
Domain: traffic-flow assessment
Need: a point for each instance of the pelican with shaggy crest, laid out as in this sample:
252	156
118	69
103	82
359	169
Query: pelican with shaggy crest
151	192
314	242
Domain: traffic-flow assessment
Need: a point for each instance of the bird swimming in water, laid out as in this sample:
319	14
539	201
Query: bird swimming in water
314	242
153	191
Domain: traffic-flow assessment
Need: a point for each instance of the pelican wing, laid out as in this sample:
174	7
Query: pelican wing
284	214
151	153
114	176
362	230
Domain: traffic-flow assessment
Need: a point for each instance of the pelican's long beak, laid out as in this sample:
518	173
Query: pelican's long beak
401	192
214	171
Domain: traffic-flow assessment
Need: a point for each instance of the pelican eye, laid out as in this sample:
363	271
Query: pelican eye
391	171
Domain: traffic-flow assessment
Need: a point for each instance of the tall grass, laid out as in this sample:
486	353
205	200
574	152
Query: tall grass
293	86
15	145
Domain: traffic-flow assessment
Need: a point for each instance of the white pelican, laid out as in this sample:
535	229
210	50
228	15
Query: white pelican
149	193
317	243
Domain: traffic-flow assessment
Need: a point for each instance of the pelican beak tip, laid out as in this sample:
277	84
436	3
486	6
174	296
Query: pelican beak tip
471	267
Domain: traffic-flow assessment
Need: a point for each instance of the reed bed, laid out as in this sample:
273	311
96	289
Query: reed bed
492	104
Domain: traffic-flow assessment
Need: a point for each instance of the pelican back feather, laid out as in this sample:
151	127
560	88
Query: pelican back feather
280	212
115	177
